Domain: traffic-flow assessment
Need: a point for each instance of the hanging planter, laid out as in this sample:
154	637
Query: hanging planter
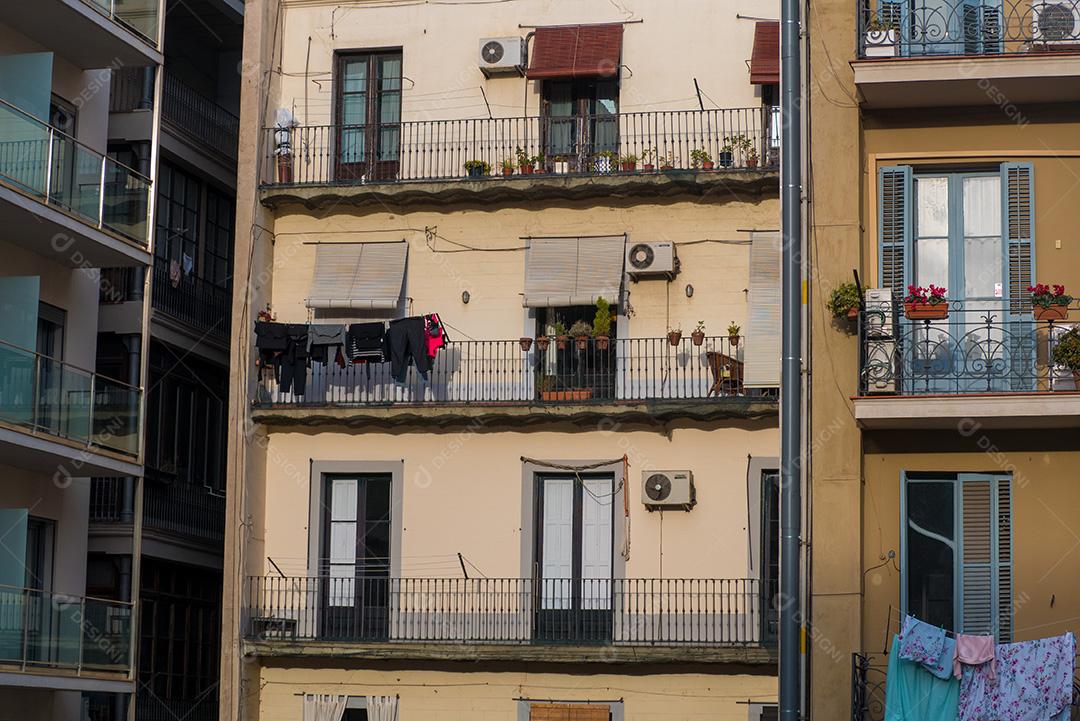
1053	312
926	303
674	337
561	341
1049	302
542	342
526	343
602	342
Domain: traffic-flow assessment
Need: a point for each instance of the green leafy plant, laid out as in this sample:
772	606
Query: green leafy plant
877	25
733	330
601	325
1067	350
699	156
1049	295
700	327
508	164
648	155
482	166
842	299
523	158
558	329
580	328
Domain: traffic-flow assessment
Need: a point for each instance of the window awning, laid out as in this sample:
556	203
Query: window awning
762	354
573	271
358	275
576	51
765	61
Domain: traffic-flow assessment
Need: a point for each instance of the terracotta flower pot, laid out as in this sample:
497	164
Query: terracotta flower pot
542	342
751	162
707	165
508	172
582	341
577	394
649	167
852	313
926	311
628	167
1053	312
733	340
698	337
602	342
561	341
526	169
526	343
674	337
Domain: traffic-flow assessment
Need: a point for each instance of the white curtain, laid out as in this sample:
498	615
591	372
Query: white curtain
382	708
318	707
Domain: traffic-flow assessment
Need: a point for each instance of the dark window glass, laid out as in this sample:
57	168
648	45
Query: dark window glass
931	558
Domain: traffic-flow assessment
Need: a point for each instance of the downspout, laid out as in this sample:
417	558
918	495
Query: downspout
791	366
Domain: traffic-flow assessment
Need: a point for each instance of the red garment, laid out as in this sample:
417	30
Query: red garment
436	334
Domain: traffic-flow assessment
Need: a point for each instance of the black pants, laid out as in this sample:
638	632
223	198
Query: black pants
407	344
292	364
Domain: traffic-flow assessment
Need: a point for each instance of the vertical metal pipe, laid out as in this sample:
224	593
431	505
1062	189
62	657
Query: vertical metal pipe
791	367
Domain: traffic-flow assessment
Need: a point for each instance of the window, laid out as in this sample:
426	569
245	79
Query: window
368	112
217	257
956	551
178	217
580	118
40	536
770	551
569	712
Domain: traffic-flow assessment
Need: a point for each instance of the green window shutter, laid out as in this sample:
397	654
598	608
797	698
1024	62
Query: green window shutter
895	214
985	603
1018	186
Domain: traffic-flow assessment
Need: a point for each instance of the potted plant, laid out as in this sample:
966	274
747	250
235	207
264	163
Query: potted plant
926	303
581	331
476	168
601	325
525	163
647	157
752	158
508	166
698	336
560	164
542	342
605	161
628	163
667	162
700	158
559	330
1066	353
727	154
538	163
1049	302
674	336
526	343
733	331
880	39
844	301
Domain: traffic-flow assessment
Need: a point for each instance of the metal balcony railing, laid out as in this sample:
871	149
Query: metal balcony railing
138	15
44	162
49	396
46	630
622	143
190	299
622	611
183	509
983	346
199	117
893	28
503	372
149	707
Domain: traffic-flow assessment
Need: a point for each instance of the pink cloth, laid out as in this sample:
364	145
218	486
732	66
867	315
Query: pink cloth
974	651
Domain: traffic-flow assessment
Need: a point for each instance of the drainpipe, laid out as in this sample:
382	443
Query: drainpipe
791	365
146	97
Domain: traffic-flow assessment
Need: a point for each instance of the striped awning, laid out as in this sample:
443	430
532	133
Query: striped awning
573	271
765	61
576	51
358	275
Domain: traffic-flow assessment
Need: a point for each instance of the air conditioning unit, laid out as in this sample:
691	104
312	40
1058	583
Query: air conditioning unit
881	367
668	490
652	260
502	56
879	314
1056	22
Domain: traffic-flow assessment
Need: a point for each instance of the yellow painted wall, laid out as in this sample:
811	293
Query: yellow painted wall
486	696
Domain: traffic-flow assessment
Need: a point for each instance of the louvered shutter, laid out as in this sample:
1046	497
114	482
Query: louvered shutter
986	556
761	356
895	203
1018	185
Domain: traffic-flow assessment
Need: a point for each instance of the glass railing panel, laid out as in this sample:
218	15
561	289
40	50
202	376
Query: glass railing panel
126	201
140	15
24	150
18	382
116	416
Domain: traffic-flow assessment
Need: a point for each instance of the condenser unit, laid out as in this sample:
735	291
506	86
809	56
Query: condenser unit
502	56
651	260
668	490
1056	22
878	313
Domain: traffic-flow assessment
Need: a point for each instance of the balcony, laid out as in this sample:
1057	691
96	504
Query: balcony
43	632
56	415
510	618
956	52
640	377
91	33
199	119
673	152
62	199
180	509
193	301
986	363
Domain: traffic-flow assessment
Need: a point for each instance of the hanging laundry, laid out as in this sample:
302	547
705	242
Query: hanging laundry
366	342
912	693
174	273
1033	683
326	340
406	339
436	334
188	264
973	651
928	645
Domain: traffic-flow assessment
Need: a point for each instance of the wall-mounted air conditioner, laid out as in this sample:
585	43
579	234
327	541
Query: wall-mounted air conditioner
879	318
502	56
668	490
652	260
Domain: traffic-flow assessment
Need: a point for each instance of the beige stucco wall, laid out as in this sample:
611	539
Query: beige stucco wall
487	696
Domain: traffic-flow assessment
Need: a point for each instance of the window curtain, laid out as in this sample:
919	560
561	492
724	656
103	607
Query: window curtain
319	707
382	708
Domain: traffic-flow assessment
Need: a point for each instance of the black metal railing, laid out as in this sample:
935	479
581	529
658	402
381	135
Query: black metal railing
627	611
131	88
149	707
190	299
588	145
183	509
981	347
504	372
891	28
199	117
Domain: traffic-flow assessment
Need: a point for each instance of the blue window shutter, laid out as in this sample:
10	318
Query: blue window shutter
895	214
1018	186
1003	572
985	559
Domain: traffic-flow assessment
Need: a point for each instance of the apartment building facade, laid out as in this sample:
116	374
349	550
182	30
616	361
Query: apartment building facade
940	445
538	521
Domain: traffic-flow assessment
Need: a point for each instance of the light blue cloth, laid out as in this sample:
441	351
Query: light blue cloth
926	644
912	693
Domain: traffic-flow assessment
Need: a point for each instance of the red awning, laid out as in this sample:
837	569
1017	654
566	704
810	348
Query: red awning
576	51
765	62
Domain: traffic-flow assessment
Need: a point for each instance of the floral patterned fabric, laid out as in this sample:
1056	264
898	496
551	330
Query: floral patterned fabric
921	642
1034	683
912	693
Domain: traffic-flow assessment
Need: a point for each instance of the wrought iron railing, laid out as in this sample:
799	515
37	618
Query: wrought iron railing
981	347
150	707
45	395
43	629
131	88
199	117
892	28
635	143
560	371
191	299
46	163
621	611
138	15
183	509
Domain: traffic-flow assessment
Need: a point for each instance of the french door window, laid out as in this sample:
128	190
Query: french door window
580	120
368	115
